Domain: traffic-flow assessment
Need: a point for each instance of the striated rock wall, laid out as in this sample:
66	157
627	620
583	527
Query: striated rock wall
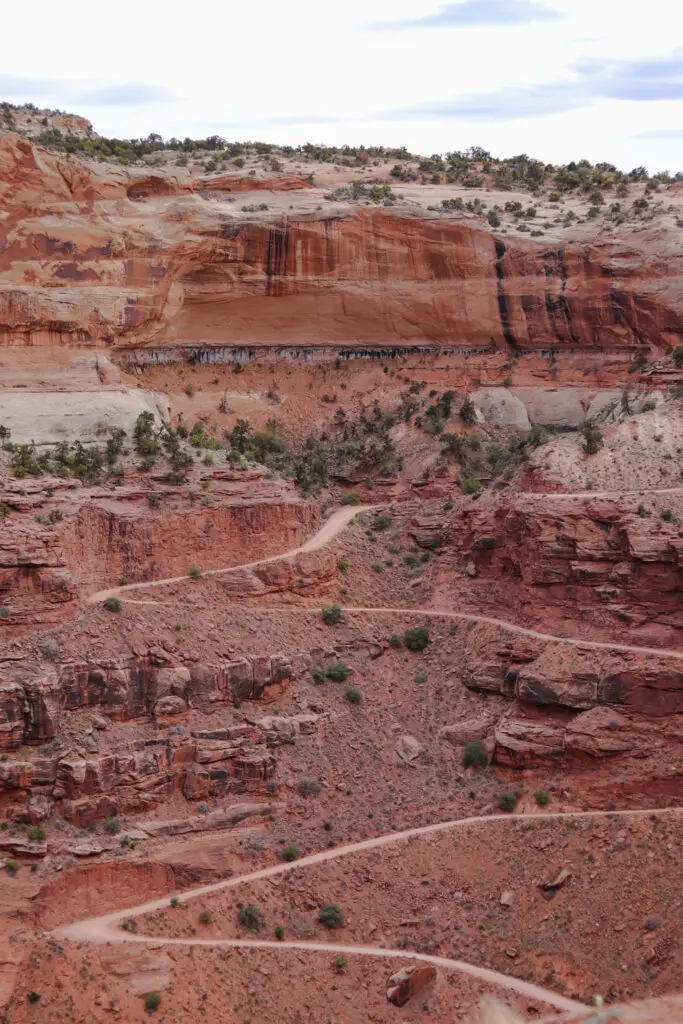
589	557
91	255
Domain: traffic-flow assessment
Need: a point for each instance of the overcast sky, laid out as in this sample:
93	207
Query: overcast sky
557	79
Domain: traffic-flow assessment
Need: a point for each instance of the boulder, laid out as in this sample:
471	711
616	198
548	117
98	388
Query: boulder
172	681
403	985
408	748
465	732
600	732
169	706
522	742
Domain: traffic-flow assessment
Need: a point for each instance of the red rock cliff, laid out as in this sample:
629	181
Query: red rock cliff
90	255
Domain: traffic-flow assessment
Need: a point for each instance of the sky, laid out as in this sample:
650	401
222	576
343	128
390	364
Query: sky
559	80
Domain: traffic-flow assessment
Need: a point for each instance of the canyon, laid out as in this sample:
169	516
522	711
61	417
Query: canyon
338	518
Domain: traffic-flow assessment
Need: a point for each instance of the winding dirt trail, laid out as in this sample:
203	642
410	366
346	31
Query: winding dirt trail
327	532
106	929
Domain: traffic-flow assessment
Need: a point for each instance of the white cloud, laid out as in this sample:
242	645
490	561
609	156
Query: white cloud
308	70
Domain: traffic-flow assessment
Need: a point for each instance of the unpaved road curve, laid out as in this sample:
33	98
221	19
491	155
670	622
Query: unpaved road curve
107	928
327	532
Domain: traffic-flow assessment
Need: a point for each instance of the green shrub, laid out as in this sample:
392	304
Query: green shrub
353	695
377	567
175	902
542	796
474	755
342	564
382	523
36	834
11	866
468	412
205	917
667	516
251	917
470	485
290	852
416	639
350	498
592	438
112	604
337	673
279	933
650	405
507	802
194	572
395	641
339	963
331	614
319	675
678	356
152	1001
111	826
33	997
642	511
421	676
331	915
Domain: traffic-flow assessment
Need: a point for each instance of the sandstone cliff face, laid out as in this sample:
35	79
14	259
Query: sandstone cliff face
593	558
95	256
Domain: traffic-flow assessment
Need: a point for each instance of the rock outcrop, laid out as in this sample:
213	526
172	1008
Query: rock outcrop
166	264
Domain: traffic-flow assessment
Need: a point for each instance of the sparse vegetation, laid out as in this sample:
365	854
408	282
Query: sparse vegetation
194	572
331	614
310	787
290	852
542	797
152	1001
416	639
507	802
251	917
338	672
112	604
353	695
331	916
592	438
474	755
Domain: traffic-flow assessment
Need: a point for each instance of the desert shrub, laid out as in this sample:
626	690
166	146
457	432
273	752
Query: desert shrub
194	572
382	523
251	917
678	356
350	498
474	755
318	675
309	787
338	672
331	915
642	511
542	796
416	639
35	834
353	695
111	826
650	405
470	485
279	933
395	641
507	802
331	614
493	219
339	963
468	413
145	440
592	438
421	676
343	564
175	902
667	516
290	852
11	866
205	917
112	604
33	997
152	1001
